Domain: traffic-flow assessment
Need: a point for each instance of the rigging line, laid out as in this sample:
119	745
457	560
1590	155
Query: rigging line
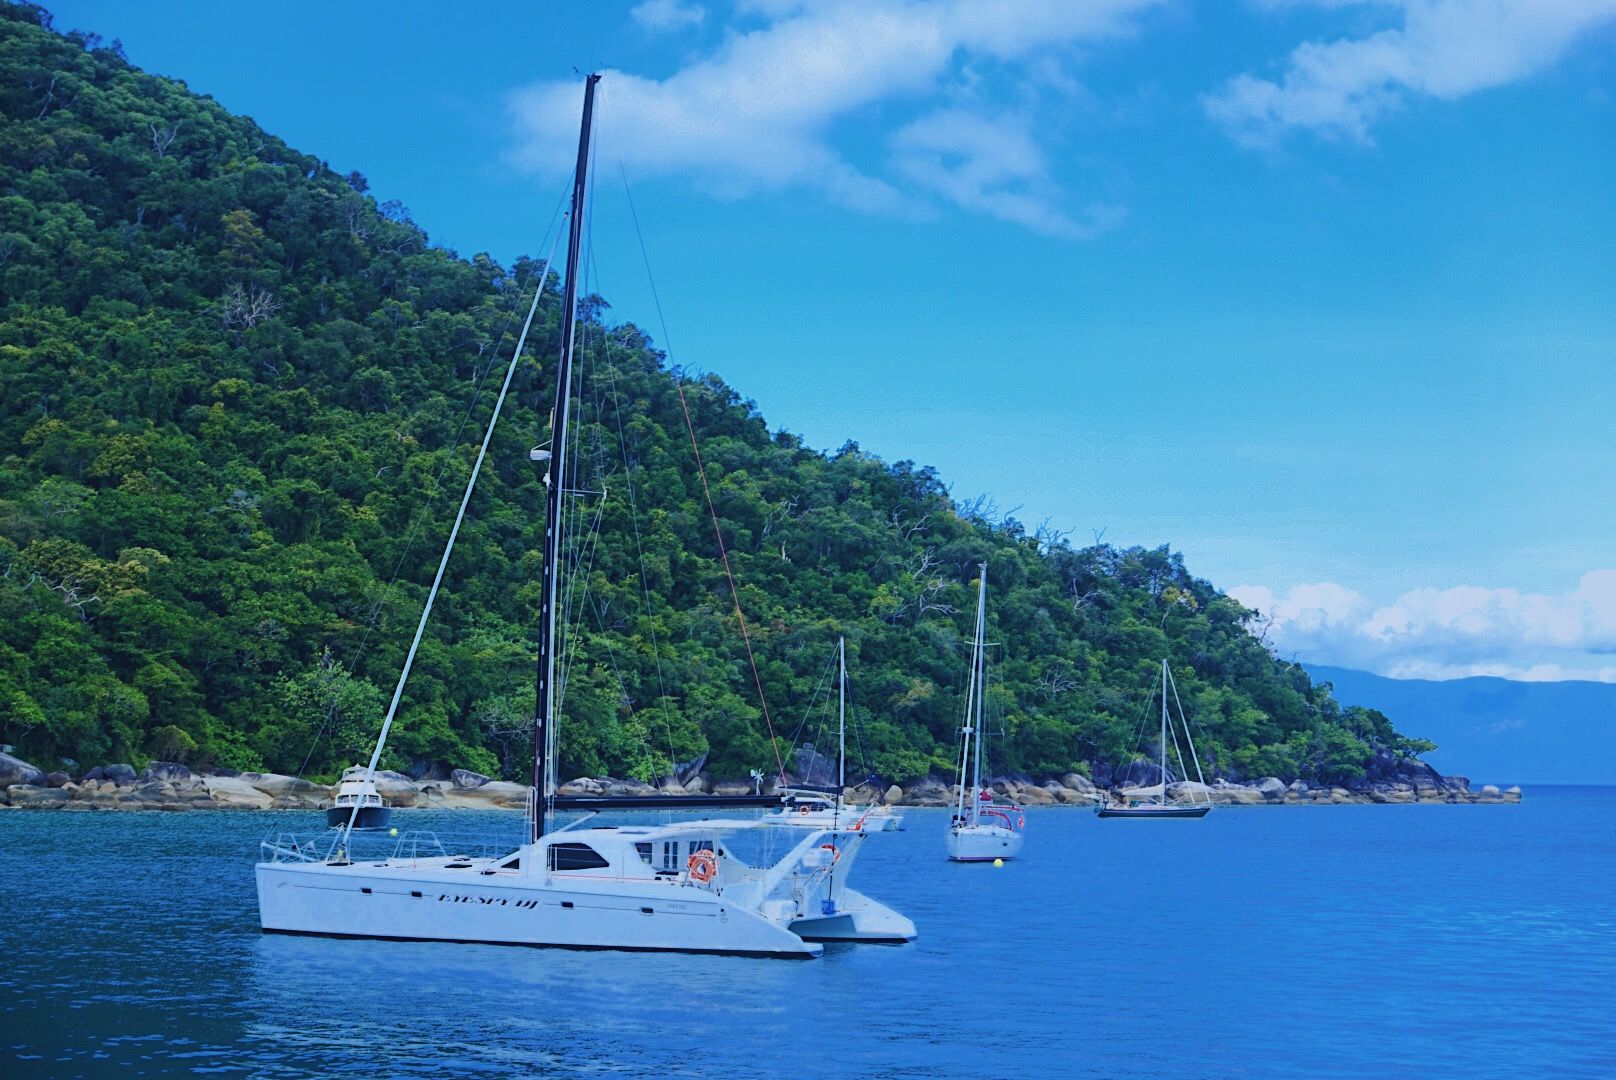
576	632
420	516
1199	775
443	562
634	518
701	470
639	550
723	552
813	699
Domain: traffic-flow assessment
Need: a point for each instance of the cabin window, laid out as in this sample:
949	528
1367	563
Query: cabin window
575	857
644	852
670	855
512	864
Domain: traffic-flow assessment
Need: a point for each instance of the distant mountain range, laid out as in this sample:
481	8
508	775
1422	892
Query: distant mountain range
1496	730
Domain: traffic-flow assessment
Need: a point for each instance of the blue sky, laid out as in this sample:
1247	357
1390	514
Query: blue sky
1317	291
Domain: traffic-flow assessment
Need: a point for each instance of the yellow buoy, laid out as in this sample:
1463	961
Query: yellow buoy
998	862
392	832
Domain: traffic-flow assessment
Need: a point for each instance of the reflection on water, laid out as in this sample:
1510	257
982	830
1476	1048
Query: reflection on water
1335	941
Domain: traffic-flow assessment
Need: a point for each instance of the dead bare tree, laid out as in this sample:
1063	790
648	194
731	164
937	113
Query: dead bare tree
1054	683
163	138
926	583
243	307
778	514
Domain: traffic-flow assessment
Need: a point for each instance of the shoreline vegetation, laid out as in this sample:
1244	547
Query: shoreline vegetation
166	785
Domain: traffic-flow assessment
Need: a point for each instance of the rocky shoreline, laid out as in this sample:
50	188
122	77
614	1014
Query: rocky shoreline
166	785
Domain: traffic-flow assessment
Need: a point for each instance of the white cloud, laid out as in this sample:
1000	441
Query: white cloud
1444	49
1449	633
761	112
992	165
667	14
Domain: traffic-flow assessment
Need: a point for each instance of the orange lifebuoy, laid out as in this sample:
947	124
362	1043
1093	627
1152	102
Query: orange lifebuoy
835	852
802	809
703	865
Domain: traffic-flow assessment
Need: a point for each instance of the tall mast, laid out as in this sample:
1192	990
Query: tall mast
981	692
1164	732
544	712
971	689
841	720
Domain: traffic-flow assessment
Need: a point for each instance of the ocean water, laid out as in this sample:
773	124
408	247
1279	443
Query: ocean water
1338	941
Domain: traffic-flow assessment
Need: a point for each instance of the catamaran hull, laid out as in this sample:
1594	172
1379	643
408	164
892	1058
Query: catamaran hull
983	843
465	906
857	918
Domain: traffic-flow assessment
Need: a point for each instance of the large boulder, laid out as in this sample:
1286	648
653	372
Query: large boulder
1029	795
57	779
496	794
36	798
928	792
120	774
235	793
687	771
1077	782
584	785
17	771
293	791
465	778
1189	791
165	770
892	796
1271	788
630	787
1237	795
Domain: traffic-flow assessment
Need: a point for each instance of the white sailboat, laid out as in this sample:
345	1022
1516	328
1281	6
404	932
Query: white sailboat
815	809
686	887
982	828
1151	801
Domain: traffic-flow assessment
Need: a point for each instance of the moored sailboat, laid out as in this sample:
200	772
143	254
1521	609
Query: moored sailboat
817	809
686	886
982	828
1152	801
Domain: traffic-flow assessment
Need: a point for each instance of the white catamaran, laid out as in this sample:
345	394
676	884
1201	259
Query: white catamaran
982	829
687	886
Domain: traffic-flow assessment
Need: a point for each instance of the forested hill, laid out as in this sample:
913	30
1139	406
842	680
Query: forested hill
237	393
